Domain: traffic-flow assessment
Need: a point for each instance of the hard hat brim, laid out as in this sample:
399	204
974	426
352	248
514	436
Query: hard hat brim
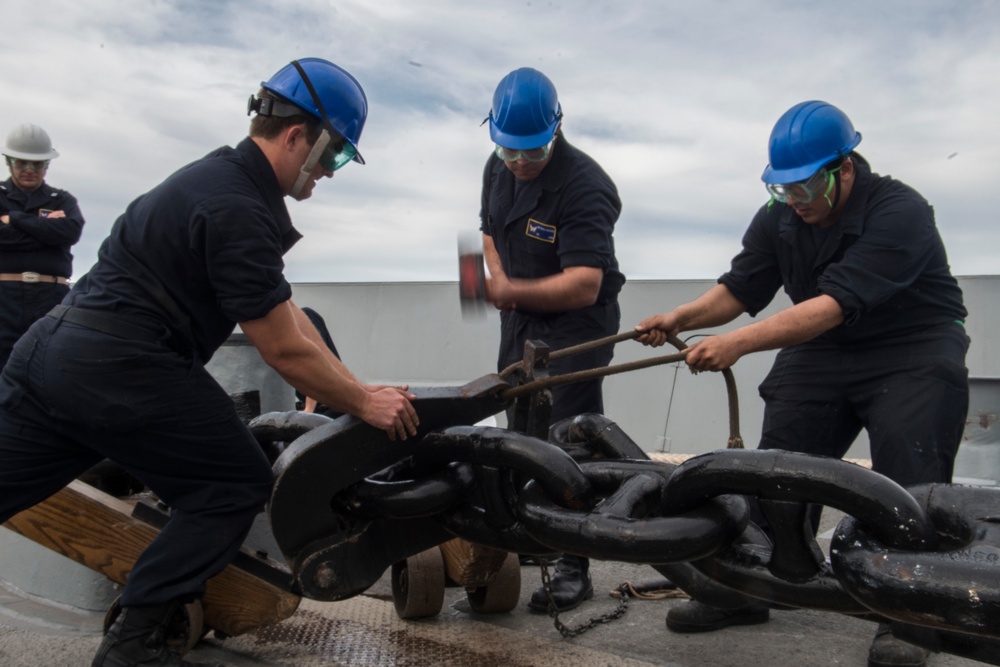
522	142
21	155
781	176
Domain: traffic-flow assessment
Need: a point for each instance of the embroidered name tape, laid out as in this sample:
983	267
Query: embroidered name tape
541	231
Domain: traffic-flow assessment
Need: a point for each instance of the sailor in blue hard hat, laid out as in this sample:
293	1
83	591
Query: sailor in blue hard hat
548	216
874	338
524	121
810	168
117	369
320	90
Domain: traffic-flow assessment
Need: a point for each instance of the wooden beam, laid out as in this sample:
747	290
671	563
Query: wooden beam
99	531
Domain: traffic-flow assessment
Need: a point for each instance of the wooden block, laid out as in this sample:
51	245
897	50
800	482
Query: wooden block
469	564
99	531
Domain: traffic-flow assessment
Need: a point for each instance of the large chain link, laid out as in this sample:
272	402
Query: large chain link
348	503
928	556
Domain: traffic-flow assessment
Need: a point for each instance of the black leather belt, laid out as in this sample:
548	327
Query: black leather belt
109	324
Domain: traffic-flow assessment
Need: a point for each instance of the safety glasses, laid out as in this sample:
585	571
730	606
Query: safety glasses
334	157
818	185
24	165
531	154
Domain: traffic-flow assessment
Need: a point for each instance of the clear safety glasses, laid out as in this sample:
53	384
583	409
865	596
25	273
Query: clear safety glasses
531	154
24	165
818	185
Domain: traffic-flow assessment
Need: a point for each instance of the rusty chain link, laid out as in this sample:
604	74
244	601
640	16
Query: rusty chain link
534	386
553	611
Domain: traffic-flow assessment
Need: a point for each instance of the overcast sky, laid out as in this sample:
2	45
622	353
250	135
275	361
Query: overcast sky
675	99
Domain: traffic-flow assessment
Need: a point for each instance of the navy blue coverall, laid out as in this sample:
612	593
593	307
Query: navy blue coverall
33	243
896	365
129	383
565	217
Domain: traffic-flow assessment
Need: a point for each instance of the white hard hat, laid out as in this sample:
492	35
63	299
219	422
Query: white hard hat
29	142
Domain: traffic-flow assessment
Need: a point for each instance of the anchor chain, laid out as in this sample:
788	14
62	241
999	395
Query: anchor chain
348	504
926	556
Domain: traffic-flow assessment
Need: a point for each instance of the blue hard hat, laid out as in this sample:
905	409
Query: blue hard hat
806	137
525	111
339	95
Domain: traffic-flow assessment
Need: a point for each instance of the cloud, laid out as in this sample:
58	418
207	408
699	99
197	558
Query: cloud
675	99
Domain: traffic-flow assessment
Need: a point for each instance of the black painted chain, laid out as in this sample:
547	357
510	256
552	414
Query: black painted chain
926	558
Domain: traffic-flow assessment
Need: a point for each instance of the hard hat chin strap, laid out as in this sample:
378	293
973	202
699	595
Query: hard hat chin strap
311	160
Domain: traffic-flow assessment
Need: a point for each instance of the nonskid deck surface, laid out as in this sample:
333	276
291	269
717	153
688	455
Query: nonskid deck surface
365	631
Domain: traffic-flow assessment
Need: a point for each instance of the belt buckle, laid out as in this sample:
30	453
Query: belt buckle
30	277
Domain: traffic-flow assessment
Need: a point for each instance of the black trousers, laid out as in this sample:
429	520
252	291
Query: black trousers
70	397
21	304
910	394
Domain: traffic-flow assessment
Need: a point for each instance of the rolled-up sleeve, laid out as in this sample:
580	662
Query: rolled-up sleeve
246	267
586	226
754	276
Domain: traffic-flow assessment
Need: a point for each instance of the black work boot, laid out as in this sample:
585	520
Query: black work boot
888	651
571	585
139	637
694	616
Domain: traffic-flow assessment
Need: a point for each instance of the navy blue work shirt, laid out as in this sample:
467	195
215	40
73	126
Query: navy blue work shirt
32	241
883	261
565	217
214	234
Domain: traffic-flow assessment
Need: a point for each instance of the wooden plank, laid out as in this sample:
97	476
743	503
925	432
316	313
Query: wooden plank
99	531
469	564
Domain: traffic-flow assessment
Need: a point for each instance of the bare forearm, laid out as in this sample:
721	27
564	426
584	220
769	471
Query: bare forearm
491	256
310	332
305	364
714	308
313	374
574	287
310	368
792	326
568	290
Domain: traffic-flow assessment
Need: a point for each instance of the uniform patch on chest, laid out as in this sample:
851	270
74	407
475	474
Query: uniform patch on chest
540	231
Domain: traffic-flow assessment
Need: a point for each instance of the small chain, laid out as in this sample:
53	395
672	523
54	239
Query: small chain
553	611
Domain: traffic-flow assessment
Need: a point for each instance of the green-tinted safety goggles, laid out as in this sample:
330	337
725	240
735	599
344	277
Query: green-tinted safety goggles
333	159
818	185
